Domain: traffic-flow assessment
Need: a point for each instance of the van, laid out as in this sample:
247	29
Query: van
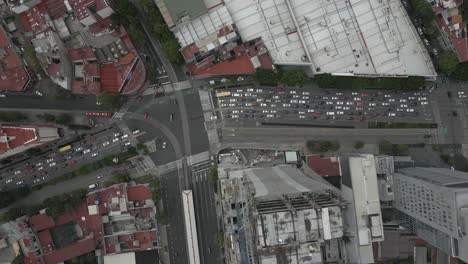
93	186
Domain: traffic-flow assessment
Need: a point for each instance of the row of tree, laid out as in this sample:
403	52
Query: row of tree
296	77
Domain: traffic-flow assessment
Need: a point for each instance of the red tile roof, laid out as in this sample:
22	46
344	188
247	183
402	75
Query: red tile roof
460	43
17	136
53	70
13	77
36	18
138	193
46	240
238	66
81	10
56	8
41	222
81	54
324	166
79	248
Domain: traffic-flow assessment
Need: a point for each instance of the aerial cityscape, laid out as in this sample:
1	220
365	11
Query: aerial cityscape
233	131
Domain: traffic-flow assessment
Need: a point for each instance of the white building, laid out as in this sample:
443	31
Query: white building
342	37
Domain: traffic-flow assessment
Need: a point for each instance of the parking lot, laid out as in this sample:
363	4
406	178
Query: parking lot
70	157
315	106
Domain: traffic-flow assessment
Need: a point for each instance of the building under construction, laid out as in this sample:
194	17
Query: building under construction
281	215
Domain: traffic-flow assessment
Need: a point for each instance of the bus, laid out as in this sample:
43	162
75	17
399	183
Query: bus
223	94
65	148
190	227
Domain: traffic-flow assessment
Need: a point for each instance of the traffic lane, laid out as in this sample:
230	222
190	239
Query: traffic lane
196	122
81	182
32	101
48	172
293	135
206	218
172	200
149	133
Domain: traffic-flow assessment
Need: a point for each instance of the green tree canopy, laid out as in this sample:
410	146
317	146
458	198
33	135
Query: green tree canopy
447	62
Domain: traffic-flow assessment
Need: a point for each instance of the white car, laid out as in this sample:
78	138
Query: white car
334	98
294	101
263	105
403	105
17	172
292	92
310	110
424	102
305	93
346	108
49	160
235	111
461	92
357	99
259	91
239	90
39	93
302	101
86	151
403	100
329	103
127	143
340	113
461	96
232	100
94	154
422	99
20	182
232	105
117	134
372	104
354	93
385	104
52	164
286	105
273	111
387	96
39	164
305	97
302	117
338	107
400	110
235	116
410	110
340	103
8	181
349	103
236	94
99	177
124	136
79	149
2	95
411	98
105	143
250	90
391	114
391	100
270	115
330	113
266	111
223	105
40	168
136	131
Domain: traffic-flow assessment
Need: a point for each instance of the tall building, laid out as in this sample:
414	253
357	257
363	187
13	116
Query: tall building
364	220
279	215
433	204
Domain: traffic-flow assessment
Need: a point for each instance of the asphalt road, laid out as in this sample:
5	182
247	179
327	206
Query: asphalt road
40	168
205	211
268	135
172	197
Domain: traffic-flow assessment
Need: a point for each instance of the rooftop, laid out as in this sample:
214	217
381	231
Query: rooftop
438	176
324	166
181	8
13	76
341	37
15	136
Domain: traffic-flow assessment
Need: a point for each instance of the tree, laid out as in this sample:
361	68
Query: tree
13	213
322	146
447	62
33	151
171	49
294	77
461	72
113	101
385	147
122	177
358	145
162	217
266	77
64	119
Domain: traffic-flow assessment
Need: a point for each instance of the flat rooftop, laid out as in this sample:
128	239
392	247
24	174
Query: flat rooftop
284	179
181	8
356	37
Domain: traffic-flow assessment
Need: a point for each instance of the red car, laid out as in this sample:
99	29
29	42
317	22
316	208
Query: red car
138	99
146	115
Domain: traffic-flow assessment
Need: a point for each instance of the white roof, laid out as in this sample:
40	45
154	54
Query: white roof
335	36
92	209
124	258
203	26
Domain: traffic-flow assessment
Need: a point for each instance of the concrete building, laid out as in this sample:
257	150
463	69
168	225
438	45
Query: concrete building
16	139
359	187
433	204
341	37
280	215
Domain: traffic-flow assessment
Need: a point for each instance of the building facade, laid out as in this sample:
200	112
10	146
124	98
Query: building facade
433	204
